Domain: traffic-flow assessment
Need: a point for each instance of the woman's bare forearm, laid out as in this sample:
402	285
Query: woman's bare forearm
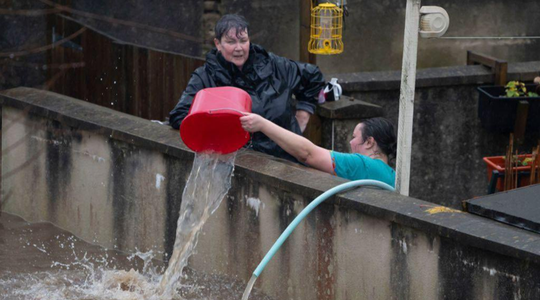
294	144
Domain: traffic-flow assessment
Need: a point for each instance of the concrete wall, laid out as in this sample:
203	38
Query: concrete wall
449	141
96	172
373	34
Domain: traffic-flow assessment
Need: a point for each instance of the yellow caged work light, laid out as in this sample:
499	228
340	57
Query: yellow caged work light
326	29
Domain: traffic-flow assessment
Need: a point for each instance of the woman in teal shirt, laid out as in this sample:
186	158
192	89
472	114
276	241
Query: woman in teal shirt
373	144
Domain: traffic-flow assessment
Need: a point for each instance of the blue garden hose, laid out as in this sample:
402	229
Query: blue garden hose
301	216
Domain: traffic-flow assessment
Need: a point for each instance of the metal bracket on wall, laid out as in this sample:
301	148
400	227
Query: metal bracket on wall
498	67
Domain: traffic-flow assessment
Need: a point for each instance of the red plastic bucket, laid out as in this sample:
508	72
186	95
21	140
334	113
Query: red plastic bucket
213	121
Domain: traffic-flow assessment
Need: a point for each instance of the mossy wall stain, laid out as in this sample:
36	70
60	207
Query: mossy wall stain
176	176
58	143
123	192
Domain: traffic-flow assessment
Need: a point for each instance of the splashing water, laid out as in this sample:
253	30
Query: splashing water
208	183
41	261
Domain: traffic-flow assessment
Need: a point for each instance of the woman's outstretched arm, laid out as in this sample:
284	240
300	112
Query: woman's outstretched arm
296	145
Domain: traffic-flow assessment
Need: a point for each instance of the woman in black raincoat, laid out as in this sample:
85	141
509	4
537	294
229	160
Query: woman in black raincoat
270	80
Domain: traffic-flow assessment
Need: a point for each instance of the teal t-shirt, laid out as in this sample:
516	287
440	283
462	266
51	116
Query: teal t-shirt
354	166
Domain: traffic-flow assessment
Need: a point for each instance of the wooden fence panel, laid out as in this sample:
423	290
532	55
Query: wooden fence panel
131	79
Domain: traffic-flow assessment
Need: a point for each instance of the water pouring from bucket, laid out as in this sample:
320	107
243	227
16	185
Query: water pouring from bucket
212	129
213	121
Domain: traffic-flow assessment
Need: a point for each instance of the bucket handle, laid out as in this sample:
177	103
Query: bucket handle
235	110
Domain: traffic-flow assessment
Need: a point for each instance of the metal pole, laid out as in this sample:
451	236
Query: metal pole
406	98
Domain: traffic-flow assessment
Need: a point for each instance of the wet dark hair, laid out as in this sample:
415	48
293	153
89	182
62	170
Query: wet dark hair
384	133
227	22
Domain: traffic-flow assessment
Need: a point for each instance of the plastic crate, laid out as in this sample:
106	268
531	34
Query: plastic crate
498	114
497	163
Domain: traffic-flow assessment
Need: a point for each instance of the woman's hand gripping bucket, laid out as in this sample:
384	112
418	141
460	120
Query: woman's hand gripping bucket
213	121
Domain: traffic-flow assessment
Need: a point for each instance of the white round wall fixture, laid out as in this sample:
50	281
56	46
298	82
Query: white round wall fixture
434	21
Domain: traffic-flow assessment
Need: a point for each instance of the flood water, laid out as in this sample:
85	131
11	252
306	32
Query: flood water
42	261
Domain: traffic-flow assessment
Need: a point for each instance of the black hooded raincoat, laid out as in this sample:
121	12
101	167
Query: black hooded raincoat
269	79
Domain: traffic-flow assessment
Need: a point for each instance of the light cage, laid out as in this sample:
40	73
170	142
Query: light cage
326	29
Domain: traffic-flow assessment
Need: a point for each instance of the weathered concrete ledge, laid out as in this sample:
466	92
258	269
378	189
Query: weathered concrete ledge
434	77
97	172
349	108
153	136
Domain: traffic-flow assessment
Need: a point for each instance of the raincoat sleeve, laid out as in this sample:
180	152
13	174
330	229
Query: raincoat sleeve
177	115
307	81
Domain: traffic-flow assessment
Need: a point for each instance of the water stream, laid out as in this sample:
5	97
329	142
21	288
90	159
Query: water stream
208	183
